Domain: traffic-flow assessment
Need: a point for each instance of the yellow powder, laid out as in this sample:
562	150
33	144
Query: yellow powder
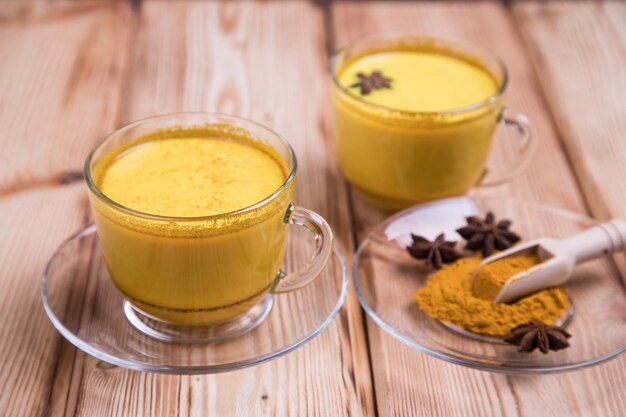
491	278
190	176
422	81
448	296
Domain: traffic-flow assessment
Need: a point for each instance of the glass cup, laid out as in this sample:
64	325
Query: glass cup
397	158
202	278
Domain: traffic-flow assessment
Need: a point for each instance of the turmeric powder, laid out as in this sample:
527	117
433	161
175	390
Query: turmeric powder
448	296
491	278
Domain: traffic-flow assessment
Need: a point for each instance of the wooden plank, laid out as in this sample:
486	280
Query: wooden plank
579	51
262	60
62	76
409	383
32	225
61	71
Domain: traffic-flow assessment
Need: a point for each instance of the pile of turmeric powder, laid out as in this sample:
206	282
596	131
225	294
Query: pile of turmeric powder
449	296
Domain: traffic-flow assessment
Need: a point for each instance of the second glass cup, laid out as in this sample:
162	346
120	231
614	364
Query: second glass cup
398	155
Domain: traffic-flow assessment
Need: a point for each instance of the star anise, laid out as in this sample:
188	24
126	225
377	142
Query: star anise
375	81
436	253
536	334
487	234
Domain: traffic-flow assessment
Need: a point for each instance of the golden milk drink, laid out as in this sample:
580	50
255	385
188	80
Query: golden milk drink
422	134
189	257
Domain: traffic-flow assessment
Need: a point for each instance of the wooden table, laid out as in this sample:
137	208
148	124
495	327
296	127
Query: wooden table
72	71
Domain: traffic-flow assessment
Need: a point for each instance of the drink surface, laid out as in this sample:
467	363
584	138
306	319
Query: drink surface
190	176
422	81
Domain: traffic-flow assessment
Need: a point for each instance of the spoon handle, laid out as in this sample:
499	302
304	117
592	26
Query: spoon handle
599	240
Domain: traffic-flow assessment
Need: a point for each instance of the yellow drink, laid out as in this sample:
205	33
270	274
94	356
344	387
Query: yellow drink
426	137
422	80
206	263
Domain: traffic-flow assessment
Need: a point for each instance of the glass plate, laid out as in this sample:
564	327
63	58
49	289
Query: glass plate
86	308
386	277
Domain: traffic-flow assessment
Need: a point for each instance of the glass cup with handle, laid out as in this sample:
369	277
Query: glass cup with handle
202	278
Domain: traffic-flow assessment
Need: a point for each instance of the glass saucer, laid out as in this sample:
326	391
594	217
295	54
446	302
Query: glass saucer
86	308
386	277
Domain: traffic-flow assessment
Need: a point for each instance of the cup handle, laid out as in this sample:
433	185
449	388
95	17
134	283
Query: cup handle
323	236
526	149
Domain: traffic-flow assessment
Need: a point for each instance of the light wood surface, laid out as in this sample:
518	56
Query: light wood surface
72	71
574	46
61	76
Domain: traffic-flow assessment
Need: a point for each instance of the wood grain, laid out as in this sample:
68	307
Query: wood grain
61	77
29	345
580	52
263	60
409	383
61	81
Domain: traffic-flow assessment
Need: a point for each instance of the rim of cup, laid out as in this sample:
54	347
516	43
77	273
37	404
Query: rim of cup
293	164
399	36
